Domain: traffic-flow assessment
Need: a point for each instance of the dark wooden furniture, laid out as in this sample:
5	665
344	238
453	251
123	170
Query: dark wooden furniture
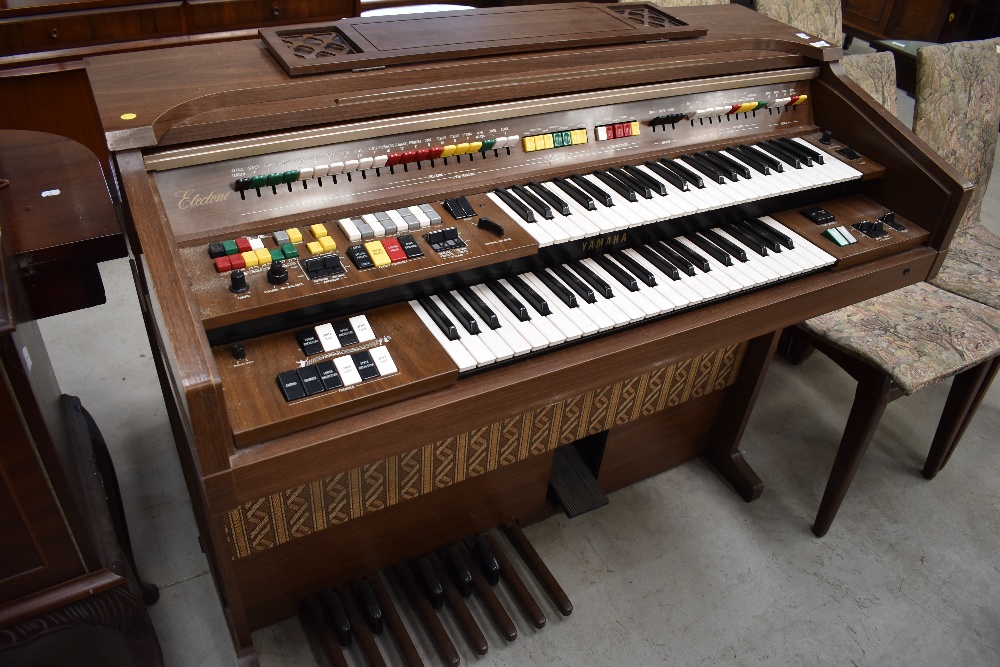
316	492
897	19
59	219
61	566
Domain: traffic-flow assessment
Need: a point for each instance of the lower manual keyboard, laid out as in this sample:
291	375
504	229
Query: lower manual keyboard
499	320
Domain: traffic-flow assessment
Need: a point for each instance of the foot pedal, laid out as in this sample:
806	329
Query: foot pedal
572	485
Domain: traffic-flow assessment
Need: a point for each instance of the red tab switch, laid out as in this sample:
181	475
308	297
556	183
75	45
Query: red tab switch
393	249
619	130
237	262
394	159
424	154
626	130
409	156
222	264
435	152
243	245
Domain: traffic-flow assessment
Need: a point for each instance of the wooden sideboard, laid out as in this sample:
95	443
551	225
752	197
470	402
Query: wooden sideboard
923	20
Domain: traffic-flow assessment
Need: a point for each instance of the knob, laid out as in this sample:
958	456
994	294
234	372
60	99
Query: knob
277	274
865	226
54	33
238	282
888	217
275	11
878	226
239	352
827	137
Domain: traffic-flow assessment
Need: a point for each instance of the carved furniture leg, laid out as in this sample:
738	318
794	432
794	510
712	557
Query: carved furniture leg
967	392
724	445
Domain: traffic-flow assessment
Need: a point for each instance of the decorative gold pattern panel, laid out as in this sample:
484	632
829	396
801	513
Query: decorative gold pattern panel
281	517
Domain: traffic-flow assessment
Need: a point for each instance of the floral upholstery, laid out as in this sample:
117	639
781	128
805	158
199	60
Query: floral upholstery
958	108
685	3
876	74
823	18
917	335
972	268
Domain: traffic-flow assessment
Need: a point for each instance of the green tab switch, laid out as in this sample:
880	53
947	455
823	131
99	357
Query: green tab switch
274	179
567	139
230	247
258	181
488	144
289	251
277	255
290	176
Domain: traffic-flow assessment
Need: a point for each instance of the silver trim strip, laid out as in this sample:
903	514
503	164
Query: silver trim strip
204	154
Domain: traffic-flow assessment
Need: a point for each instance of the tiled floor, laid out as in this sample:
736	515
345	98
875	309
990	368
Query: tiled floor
677	570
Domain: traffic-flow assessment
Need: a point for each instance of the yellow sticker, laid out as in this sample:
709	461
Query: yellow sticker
128	116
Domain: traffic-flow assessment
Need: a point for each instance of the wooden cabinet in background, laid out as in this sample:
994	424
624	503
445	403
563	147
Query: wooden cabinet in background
923	20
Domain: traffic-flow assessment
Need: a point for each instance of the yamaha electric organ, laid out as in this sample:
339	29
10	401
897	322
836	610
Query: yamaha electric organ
392	267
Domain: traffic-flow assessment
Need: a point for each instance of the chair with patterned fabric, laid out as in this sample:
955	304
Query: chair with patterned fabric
822	18
876	74
901	342
684	3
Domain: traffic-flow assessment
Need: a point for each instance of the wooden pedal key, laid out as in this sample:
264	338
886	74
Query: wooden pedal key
538	567
442	641
361	630
396	628
313	620
503	621
473	633
516	584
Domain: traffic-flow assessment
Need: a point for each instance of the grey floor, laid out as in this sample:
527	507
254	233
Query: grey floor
676	570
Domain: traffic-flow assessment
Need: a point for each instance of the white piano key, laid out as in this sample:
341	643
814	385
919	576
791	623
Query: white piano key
472	344
513	339
677	291
640	301
490	338
534	339
565	330
541	236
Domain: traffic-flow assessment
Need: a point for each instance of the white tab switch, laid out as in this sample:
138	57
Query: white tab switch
362	329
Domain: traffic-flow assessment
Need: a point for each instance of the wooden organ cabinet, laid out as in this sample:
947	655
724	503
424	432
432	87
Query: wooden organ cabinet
392	277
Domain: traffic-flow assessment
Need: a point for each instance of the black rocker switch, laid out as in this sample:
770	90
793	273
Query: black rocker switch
818	215
239	352
490	226
277	274
238	282
849	153
889	220
459	207
827	137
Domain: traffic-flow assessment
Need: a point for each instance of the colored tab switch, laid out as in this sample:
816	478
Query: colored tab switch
230	247
329	245
377	253
294	235
314	247
243	245
549	143
289	250
263	256
222	264
393	249
318	231
276	255
488	144
435	152
249	259
290	176
448	150
529	144
237	262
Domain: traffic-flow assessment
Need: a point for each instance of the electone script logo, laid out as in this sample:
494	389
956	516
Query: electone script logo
188	198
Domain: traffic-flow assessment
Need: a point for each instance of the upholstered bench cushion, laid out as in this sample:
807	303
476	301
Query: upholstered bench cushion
917	335
972	268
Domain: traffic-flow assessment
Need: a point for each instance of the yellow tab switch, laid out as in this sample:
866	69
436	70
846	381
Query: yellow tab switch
294	235
319	231
329	245
448	151
529	144
250	258
461	149
263	256
635	127
579	136
549	143
800	100
378	254
314	247
475	146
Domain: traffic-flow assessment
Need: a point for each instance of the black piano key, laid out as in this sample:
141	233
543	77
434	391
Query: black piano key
770	243
509	300
622	189
724	243
682	171
515	204
718	253
639	186
533	298
722	158
795	149
671	256
654	185
701	165
618	273
782	238
688	254
461	314
746	239
447	326
481	307
724	169
597	193
458	570
594	280
781	154
550	197
668	176
766	233
486	560
751	160
336	616
561	291
635	268
534	202
775	165
656	260
579	196
811	152
429	582
369	606
579	286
